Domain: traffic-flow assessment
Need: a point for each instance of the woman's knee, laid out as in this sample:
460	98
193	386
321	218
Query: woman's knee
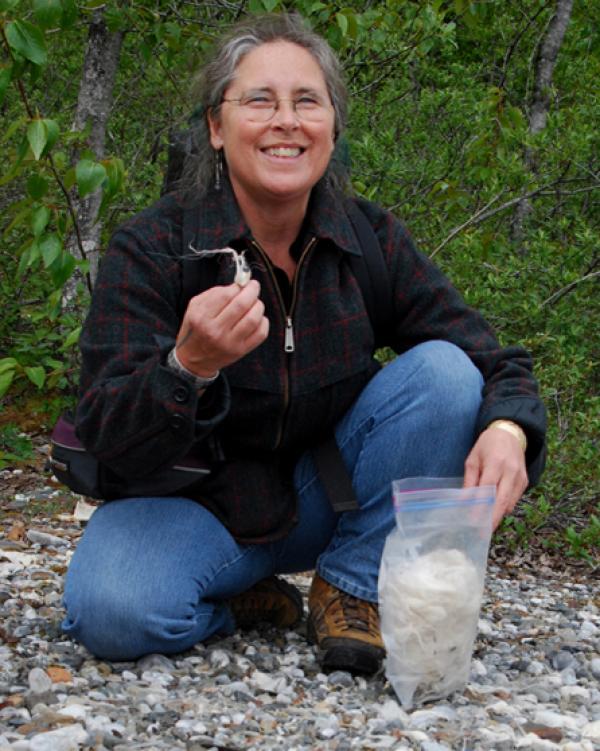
119	623
443	375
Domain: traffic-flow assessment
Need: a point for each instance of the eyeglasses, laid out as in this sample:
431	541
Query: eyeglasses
260	107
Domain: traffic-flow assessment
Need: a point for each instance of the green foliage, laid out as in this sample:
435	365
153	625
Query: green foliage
583	543
439	133
15	447
42	171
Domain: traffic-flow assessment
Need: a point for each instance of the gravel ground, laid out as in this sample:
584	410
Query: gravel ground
534	682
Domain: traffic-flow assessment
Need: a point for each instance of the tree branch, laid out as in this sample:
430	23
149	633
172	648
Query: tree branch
545	62
557	295
475	219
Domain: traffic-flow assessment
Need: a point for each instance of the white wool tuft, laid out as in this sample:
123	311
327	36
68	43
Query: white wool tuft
430	608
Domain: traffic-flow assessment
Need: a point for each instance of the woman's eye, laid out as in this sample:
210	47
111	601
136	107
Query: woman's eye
307	101
258	100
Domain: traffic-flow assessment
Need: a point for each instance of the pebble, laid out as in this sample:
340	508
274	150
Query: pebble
43	538
533	684
69	738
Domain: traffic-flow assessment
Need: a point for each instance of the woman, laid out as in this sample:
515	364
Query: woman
254	376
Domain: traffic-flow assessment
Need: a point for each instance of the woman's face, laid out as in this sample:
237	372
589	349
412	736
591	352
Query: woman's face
279	160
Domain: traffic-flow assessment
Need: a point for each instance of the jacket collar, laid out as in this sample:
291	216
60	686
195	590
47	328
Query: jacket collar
220	222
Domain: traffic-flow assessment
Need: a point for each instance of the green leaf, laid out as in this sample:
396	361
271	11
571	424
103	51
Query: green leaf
7	363
30	254
61	270
5	79
352	24
37	186
270	5
51	248
69	179
36	375
48	13
52	133
26	39
90	175
8	4
5	381
39	219
342	22
37	136
73	338
115	173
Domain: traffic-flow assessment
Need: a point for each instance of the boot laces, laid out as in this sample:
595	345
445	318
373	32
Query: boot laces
351	613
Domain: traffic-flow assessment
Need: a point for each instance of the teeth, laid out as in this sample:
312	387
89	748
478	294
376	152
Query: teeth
281	151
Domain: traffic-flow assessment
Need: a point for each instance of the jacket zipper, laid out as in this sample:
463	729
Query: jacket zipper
288	342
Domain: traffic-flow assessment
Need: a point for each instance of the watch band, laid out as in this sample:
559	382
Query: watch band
198	382
511	427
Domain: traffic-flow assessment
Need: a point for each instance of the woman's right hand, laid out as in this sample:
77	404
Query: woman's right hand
220	326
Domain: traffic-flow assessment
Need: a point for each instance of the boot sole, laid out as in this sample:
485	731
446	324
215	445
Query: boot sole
350	655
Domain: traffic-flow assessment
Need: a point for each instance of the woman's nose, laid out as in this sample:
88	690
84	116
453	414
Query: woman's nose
285	115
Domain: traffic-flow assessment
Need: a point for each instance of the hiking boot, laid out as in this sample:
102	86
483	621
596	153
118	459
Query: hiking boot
345	628
272	600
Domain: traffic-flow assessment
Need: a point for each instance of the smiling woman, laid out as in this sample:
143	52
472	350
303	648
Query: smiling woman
274	162
254	378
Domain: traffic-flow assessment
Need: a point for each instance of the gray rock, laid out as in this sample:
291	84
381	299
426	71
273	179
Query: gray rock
568	677
591	731
43	538
68	738
155	663
562	660
340	678
588	630
219	659
39	681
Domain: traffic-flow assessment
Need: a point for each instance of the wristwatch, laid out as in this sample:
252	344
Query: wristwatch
199	382
511	427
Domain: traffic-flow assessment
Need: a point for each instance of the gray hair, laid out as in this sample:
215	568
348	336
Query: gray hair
219	72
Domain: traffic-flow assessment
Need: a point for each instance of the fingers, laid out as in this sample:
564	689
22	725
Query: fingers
509	489
220	326
472	470
497	459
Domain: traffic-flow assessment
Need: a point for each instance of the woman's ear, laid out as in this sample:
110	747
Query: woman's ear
214	126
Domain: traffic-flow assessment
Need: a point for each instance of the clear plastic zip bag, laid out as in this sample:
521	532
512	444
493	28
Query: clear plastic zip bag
431	584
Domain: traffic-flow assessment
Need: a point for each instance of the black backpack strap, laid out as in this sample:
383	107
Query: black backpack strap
196	275
372	274
334	476
179	148
373	277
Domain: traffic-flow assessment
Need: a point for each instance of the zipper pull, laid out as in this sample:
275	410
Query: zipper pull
289	335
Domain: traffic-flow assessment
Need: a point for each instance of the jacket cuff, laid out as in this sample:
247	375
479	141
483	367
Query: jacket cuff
189	413
190	416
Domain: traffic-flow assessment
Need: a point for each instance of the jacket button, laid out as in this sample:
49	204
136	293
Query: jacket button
178	422
181	394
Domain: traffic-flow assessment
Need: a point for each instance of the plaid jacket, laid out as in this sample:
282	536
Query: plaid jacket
136	415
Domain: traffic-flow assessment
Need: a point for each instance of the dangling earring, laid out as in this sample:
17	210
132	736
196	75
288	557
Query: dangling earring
218	169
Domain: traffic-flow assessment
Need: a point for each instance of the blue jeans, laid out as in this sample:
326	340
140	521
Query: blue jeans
153	574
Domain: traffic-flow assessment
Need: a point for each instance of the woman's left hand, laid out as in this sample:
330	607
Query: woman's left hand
498	459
